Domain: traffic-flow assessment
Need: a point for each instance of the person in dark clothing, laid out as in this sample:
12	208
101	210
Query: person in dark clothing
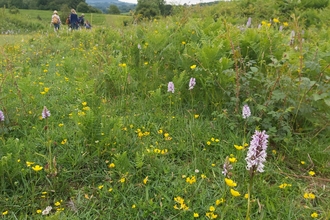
88	25
74	20
81	20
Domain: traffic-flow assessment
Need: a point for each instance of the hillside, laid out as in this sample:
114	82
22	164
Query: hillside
103	5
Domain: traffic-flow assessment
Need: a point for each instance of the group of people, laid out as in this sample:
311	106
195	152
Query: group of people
73	21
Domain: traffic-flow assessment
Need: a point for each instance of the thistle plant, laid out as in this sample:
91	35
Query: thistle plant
256	157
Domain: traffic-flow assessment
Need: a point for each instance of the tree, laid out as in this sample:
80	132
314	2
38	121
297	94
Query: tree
113	9
83	7
150	8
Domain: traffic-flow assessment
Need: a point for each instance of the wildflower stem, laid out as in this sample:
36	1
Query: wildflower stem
249	195
48	144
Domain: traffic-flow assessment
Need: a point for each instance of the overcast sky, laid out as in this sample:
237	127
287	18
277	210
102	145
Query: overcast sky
181	2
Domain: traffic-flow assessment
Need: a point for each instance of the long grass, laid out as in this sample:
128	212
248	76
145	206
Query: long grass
118	145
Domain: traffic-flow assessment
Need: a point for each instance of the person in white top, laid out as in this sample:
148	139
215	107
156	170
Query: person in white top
56	21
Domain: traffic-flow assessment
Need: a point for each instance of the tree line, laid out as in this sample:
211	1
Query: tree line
79	5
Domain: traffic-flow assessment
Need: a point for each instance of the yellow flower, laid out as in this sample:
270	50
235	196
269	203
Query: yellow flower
213	164
203	176
37	168
145	63
57	203
100	186
246	196
212	209
211	215
276	20
274	152
84	103
191	180
285	24
230	182
234	193
219	201
311	173
183	42
39	211
193	67
196	116
133	206
145	180
86	108
238	147
5	212
42	93
282	186
232	160
60	125
112	165
208	143
64	141
309	196
263	22
314	215
110	190
196	215
46	89
122	180
217	140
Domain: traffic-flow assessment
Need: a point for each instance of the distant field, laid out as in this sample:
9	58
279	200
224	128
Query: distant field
39	20
42	16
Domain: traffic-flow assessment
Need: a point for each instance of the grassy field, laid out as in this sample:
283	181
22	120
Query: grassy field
159	120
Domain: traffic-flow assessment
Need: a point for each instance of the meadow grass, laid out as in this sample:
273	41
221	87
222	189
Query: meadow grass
118	145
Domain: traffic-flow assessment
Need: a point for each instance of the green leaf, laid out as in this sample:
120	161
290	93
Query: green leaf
254	69
327	101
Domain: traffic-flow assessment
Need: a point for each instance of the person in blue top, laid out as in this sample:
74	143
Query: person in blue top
74	20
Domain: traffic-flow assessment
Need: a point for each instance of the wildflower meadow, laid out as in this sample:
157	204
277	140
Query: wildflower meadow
198	115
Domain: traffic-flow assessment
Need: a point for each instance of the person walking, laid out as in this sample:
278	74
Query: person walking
74	20
81	21
56	21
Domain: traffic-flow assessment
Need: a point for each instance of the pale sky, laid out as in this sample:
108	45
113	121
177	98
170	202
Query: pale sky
176	2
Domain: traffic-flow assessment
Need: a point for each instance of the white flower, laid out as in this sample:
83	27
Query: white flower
45	112
47	210
170	87
246	112
192	83
2	116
